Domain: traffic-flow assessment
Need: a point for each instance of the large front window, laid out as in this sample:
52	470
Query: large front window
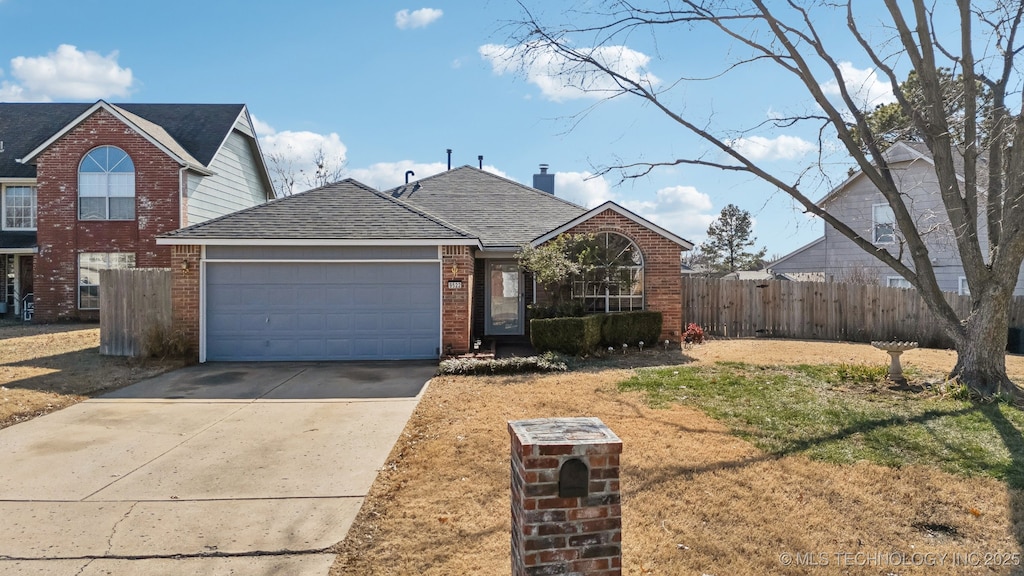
19	207
89	266
106	185
614	281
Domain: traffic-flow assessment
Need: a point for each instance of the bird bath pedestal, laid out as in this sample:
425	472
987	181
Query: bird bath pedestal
895	349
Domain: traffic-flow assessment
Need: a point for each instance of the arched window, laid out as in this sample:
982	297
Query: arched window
106	185
615	279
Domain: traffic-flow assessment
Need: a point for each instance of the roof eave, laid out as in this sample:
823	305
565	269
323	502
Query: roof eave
609	205
102	104
187	241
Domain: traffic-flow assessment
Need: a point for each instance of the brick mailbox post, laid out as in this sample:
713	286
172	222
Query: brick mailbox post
566	516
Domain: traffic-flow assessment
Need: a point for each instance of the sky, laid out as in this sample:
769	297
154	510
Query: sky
384	87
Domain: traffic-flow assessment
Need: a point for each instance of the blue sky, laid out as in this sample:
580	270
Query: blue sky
389	86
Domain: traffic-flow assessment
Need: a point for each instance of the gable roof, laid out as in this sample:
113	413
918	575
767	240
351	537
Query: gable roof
609	205
192	133
502	213
346	212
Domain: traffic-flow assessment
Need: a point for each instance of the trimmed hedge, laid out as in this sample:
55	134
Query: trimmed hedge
566	335
630	328
584	335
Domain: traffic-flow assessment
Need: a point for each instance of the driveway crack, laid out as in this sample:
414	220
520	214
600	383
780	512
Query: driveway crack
113	531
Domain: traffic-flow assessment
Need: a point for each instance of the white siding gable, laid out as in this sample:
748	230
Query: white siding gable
237	181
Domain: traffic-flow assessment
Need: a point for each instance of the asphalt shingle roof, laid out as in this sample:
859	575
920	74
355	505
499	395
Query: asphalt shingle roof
346	210
198	129
498	211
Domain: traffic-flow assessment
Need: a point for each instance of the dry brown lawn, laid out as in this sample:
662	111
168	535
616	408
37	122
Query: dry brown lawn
696	500
46	367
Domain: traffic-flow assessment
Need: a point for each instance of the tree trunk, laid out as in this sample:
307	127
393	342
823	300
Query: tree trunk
981	348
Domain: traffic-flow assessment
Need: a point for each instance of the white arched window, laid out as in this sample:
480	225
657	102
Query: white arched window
106	185
615	279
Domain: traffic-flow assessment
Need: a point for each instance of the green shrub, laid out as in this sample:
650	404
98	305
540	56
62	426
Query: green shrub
547	362
567	309
566	335
620	328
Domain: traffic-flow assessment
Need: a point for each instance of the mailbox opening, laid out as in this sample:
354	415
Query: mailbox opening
573	479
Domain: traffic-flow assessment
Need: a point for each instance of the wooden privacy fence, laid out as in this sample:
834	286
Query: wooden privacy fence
819	311
134	304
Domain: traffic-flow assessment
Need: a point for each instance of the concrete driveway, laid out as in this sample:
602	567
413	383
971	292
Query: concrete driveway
213	469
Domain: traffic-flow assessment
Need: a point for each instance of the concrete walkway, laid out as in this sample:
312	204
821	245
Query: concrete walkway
214	469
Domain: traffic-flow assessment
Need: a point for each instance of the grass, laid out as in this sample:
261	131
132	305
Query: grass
843	414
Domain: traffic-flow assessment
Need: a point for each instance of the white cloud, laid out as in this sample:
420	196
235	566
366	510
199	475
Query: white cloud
583	188
295	151
559	79
863	85
683	210
680	209
386	175
779	148
404	19
66	74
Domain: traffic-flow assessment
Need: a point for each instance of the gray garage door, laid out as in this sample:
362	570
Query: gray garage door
322	311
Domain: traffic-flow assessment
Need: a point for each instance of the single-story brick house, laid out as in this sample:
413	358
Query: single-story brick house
346	272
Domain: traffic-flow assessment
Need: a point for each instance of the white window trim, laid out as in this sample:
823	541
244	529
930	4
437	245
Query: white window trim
897	282
874	225
107	197
576	294
3	204
963	288
78	265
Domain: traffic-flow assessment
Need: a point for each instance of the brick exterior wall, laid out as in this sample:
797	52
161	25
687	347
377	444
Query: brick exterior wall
662	277
62	236
554	532
456	303
185	295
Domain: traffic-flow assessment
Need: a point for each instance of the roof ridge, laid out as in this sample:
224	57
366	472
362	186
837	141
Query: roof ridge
492	174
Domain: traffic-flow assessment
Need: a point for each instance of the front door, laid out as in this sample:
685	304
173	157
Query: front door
504	299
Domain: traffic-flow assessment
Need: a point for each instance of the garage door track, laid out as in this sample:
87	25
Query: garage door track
214	469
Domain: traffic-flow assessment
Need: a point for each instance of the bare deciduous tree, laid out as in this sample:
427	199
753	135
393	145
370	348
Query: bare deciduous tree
286	177
979	171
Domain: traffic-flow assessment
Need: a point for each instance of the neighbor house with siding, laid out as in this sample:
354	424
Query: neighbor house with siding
859	204
86	187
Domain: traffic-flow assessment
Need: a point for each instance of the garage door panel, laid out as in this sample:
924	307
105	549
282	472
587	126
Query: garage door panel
322	311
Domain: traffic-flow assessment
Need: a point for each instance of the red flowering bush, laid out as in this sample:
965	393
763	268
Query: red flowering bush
694	334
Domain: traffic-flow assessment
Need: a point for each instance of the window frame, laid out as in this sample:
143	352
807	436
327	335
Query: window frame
875	236
128	259
897	282
4	187
962	288
635	297
107	195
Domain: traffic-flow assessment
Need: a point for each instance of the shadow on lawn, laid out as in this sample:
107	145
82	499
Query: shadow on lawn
85	372
1014	442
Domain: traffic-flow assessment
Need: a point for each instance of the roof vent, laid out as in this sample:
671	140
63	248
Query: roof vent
544	181
480	159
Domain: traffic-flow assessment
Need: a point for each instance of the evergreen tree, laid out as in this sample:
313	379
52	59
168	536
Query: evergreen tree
729	238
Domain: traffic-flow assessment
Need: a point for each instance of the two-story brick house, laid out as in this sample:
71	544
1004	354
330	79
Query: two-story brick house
85	187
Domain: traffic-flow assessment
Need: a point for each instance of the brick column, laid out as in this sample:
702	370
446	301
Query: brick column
185	295
566	516
457	298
